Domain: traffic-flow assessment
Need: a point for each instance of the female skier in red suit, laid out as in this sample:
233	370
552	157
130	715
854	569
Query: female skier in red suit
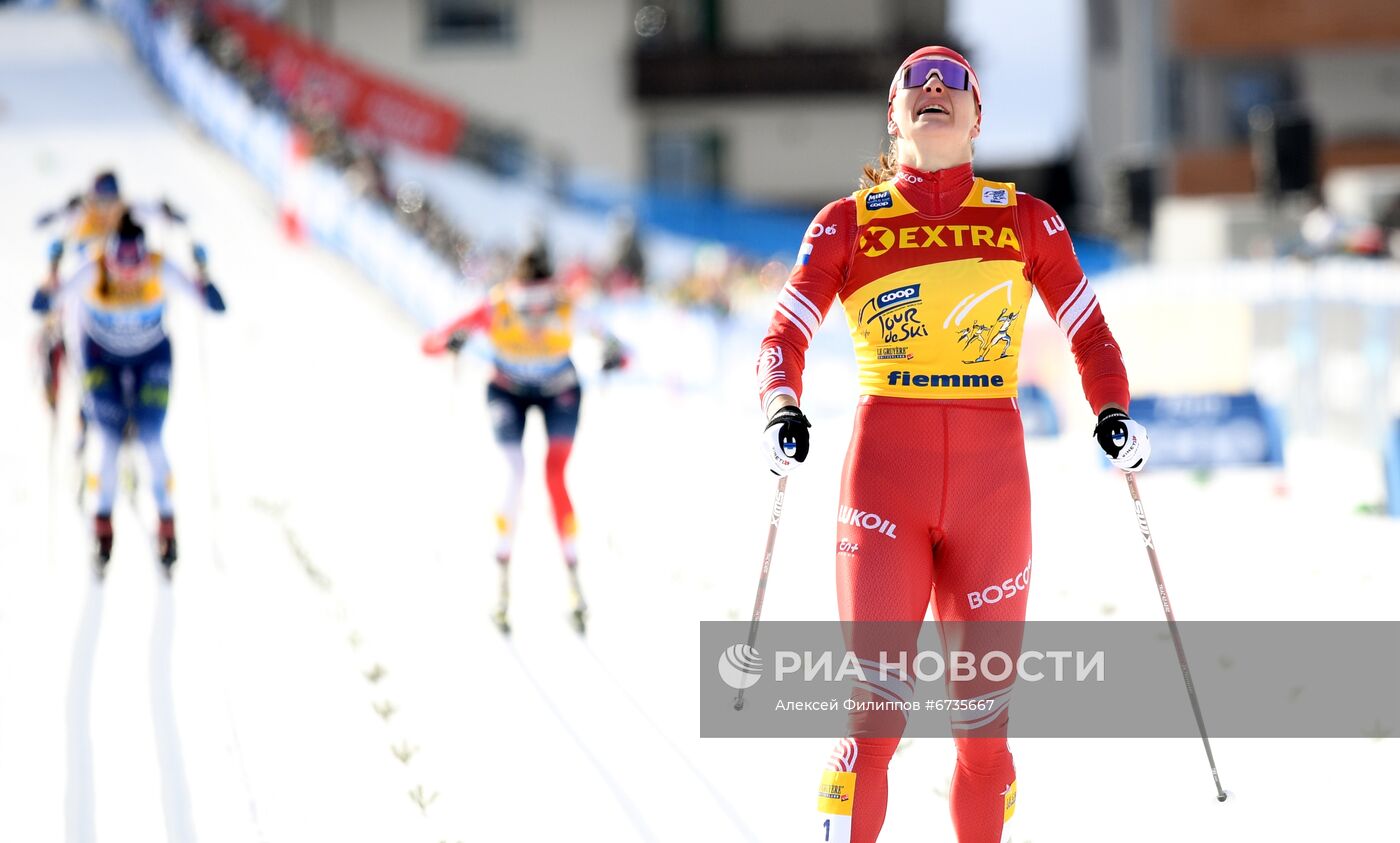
934	268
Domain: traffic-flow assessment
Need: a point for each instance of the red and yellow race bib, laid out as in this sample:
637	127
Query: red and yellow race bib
942	312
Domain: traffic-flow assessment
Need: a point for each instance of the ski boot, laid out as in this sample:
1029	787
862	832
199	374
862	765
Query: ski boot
578	613
499	617
165	543
102	543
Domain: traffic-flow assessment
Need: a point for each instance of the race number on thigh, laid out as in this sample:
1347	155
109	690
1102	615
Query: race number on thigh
835	799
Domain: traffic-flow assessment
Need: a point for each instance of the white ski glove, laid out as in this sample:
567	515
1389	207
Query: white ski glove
1124	440
786	440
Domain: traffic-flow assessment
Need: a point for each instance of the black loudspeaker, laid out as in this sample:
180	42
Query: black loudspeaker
1137	187
1284	148
1295	152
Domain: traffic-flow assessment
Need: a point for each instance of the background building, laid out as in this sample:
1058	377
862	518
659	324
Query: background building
1119	112
1191	99
773	102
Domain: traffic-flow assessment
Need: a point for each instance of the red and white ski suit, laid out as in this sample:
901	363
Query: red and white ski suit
934	272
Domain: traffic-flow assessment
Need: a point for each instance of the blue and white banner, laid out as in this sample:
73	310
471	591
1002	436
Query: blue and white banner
1210	430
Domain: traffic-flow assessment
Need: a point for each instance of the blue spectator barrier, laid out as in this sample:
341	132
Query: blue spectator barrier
366	234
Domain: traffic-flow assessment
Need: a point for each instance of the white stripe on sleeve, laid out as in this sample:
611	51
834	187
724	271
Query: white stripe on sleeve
1094	305
795	318
806	301
1083	283
800	310
1083	305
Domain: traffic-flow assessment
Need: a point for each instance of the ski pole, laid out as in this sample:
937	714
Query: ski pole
1176	635
763	576
210	413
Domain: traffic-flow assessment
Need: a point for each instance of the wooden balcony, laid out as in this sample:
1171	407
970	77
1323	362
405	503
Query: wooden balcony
690	73
1212	27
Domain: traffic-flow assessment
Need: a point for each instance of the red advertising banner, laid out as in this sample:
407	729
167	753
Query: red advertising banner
302	70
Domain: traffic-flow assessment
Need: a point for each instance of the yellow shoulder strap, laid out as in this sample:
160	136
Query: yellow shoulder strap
882	200
990	194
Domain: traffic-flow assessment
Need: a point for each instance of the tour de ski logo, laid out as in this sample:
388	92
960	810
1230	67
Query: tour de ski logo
896	314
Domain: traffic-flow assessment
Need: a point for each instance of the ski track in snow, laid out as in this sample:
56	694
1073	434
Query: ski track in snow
329	613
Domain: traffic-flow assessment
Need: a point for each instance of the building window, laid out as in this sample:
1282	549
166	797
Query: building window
470	21
1209	100
914	23
686	162
1247	88
689	24
1103	28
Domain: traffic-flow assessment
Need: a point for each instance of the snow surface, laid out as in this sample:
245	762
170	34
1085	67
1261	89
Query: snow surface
334	495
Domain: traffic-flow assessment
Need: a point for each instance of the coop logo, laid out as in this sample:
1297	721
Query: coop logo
877	240
740	666
866	520
901	296
911	178
876	201
898	297
1004	590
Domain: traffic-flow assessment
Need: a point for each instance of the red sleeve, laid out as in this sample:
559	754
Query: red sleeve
476	319
1054	270
802	304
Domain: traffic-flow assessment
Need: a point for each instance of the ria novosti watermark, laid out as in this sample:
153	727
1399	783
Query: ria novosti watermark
1051	678
741	666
